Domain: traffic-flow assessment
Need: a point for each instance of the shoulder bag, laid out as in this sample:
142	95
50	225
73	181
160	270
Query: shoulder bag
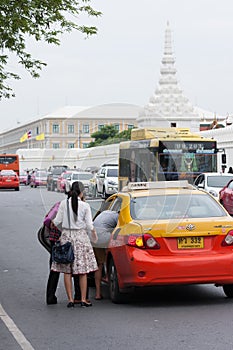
63	253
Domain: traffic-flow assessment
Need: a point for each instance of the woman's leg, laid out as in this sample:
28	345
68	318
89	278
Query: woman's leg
83	286
98	277
68	286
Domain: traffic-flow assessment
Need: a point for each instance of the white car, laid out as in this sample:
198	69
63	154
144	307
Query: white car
212	182
85	177
107	180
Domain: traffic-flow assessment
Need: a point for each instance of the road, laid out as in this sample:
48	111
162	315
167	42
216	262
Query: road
163	318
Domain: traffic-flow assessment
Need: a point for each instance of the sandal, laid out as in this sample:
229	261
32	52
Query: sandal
70	304
76	301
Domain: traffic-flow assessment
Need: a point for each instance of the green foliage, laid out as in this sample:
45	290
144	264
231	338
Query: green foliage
42	20
109	135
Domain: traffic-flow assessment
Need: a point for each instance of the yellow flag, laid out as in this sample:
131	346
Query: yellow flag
24	137
40	137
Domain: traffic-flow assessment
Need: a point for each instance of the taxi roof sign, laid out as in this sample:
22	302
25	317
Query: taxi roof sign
132	186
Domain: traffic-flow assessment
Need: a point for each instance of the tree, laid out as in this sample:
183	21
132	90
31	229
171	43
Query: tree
109	135
107	131
42	20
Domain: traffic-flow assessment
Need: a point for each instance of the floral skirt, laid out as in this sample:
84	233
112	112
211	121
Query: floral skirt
84	257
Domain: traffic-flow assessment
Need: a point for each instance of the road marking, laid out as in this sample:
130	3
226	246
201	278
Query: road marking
14	330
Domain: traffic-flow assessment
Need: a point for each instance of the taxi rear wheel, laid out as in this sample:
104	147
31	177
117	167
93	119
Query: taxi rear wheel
228	290
114	291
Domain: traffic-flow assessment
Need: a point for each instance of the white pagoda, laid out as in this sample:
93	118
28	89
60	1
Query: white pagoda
168	107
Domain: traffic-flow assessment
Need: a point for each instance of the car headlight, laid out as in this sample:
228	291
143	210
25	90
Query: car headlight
112	182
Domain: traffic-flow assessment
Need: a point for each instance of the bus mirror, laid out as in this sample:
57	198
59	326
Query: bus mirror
224	158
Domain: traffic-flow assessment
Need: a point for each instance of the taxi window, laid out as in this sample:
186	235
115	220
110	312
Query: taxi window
172	207
116	206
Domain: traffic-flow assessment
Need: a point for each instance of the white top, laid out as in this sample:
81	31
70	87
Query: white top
84	217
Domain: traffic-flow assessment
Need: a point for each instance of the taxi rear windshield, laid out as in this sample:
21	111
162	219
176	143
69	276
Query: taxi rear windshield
164	207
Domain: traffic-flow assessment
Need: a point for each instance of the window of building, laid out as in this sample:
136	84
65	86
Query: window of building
117	127
56	145
71	145
70	129
37	130
173	125
85	145
86	129
130	126
100	126
56	128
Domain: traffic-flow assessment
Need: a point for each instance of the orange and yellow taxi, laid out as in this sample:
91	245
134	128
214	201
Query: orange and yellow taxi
168	233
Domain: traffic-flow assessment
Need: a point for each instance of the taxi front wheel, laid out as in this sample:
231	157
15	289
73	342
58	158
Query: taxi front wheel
114	291
228	290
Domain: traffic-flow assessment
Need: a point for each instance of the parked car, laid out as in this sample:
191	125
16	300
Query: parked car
212	182
52	178
107	180
9	179
83	176
226	197
23	178
160	241
52	167
61	180
38	178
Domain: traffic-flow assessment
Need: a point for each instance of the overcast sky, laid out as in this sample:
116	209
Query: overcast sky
122	63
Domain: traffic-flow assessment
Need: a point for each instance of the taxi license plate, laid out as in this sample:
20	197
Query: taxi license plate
190	242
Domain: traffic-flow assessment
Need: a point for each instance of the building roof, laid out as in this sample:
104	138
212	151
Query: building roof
66	112
110	111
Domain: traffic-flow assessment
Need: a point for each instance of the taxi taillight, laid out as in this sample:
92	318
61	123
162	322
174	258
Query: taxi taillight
228	240
145	241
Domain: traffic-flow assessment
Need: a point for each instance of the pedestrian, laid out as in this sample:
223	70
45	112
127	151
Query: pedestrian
74	218
28	178
54	234
104	224
230	170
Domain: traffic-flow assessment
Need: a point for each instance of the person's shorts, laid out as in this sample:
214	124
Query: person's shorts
100	255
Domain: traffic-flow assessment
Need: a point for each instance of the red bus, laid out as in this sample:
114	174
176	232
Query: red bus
9	162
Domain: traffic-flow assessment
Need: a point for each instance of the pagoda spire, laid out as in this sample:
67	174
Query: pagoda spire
168	106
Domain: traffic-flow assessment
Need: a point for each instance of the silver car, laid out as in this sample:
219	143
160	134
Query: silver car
85	177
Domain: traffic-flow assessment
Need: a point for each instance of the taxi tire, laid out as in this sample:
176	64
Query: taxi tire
228	290
114	291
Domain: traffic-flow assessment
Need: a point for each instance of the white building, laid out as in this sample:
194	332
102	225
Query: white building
168	107
69	127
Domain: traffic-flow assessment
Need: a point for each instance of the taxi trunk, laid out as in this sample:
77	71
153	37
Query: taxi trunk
187	251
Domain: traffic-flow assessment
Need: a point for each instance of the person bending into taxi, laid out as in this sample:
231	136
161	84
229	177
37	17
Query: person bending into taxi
104	224
80	223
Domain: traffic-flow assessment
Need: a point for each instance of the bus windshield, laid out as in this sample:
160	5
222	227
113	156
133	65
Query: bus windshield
9	162
173	164
147	160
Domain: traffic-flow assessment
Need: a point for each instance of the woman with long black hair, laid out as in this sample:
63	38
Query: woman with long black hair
74	217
